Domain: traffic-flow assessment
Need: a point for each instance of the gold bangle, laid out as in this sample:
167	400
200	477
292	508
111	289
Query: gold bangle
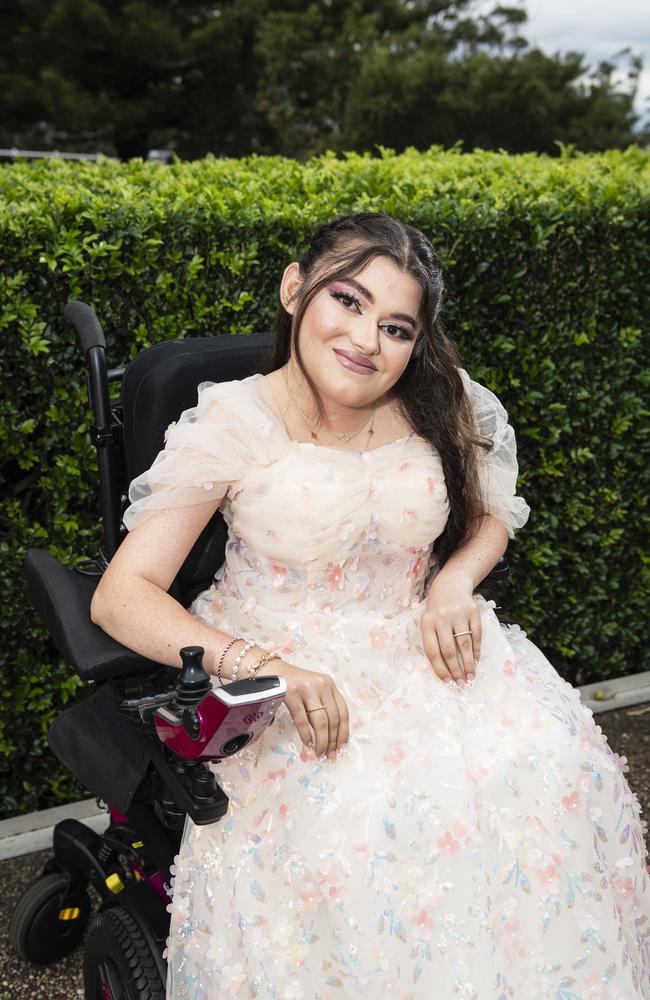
266	658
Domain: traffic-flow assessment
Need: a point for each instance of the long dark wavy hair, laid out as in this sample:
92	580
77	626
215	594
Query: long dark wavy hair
430	391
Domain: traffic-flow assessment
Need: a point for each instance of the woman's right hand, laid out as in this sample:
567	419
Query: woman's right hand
308	690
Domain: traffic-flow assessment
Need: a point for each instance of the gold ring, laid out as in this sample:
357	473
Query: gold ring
321	708
469	632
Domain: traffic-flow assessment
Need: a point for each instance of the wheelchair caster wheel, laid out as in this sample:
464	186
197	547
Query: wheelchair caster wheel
118	962
49	922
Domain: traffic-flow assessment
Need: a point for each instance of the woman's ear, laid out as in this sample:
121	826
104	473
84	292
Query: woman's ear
291	282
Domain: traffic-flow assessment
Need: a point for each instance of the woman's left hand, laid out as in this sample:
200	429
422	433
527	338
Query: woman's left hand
451	609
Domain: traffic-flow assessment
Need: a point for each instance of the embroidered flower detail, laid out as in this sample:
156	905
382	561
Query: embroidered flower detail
205	484
448	844
624	886
571	802
379	637
408	516
510	668
431	485
405	466
423	922
549	879
335	578
418	567
284	812
311	900
282	930
394	754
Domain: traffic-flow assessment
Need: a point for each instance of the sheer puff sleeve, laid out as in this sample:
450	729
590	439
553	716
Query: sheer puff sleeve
206	450
498	467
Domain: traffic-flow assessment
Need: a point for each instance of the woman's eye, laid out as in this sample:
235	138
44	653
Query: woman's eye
351	302
347	300
398	332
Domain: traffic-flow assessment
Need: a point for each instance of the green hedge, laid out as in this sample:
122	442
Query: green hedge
547	263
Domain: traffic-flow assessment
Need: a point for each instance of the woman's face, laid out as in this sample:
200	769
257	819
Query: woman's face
358	333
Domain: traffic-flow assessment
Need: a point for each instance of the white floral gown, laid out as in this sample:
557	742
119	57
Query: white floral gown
480	844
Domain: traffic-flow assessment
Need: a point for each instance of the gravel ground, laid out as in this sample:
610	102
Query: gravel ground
628	733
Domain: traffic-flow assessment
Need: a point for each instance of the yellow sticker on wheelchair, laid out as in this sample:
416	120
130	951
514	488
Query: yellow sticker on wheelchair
114	882
137	843
70	913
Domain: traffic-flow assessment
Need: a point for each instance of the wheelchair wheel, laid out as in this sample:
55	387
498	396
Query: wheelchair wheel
49	922
118	963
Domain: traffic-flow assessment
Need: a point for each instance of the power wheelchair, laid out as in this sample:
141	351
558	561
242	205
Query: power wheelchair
142	739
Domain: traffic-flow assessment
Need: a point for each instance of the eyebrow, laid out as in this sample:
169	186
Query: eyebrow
371	299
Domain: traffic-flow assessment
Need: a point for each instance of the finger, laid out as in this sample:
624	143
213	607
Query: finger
465	650
320	726
432	650
344	719
333	722
449	652
300	718
477	633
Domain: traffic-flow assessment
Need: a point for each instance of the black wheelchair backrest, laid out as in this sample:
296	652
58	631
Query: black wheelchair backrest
157	386
162	382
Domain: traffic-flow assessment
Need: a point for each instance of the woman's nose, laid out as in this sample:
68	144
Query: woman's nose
365	336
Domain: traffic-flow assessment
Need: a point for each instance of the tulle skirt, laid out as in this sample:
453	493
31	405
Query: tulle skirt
480	844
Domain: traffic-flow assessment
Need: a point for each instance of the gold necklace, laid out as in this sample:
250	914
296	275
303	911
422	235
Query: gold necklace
339	437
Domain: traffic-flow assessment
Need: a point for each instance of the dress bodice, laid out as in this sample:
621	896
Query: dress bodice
324	528
312	526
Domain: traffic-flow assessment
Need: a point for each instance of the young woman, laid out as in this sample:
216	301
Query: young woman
433	812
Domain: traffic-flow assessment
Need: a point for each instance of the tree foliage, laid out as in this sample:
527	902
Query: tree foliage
282	76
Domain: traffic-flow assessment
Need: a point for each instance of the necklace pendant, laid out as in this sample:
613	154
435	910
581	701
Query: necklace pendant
314	435
370	432
344	437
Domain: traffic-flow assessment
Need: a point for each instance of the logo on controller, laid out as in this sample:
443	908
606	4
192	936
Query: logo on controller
253	717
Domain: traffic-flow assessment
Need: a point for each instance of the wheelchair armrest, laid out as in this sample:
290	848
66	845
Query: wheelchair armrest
62	599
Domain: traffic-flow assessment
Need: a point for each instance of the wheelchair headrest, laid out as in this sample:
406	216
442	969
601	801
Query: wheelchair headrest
162	381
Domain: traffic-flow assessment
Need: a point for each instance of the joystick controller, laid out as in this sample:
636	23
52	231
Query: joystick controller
194	682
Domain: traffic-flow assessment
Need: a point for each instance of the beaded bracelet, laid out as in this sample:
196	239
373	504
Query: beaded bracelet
223	656
252	670
241	654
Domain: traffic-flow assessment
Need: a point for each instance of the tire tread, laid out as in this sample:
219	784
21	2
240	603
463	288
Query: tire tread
134	948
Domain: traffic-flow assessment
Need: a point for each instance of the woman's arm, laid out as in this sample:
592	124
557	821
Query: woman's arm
131	602
451	608
132	605
478	556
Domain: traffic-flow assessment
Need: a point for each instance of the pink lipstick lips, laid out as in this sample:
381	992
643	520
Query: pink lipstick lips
355	363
